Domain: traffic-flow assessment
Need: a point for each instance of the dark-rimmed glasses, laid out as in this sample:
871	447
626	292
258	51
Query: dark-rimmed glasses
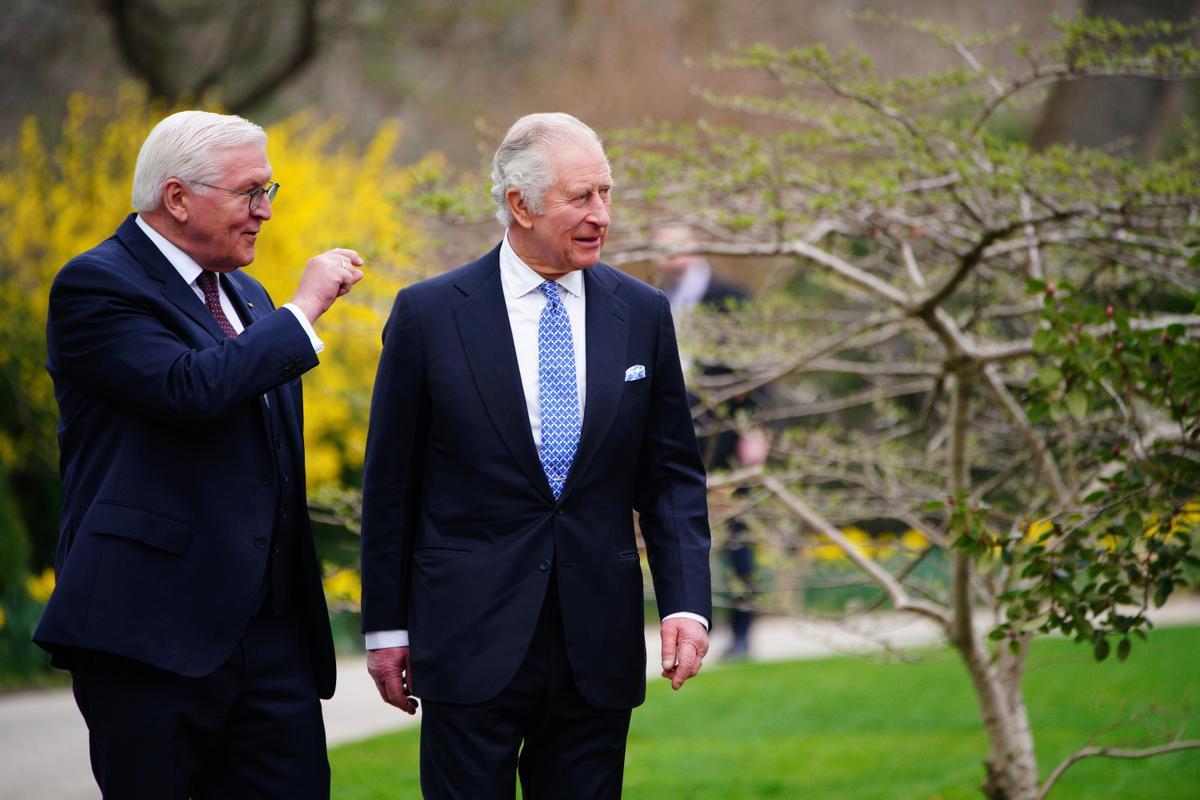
255	196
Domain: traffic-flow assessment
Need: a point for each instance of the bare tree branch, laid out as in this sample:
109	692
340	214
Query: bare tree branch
872	395
1112	752
895	592
1017	414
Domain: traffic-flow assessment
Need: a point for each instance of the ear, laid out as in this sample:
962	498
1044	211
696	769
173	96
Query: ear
176	200
519	208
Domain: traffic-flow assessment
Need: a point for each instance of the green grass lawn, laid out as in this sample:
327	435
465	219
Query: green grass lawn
860	729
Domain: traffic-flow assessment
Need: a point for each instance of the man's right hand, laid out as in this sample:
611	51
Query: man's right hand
389	669
326	278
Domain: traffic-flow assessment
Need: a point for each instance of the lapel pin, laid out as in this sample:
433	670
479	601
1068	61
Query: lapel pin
250	304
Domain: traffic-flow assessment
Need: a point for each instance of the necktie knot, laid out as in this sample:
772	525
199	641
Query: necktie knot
208	284
207	281
549	289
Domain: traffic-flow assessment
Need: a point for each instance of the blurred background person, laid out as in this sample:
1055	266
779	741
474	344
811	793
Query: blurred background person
687	278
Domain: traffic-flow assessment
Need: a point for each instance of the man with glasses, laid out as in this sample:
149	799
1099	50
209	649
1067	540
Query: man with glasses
189	607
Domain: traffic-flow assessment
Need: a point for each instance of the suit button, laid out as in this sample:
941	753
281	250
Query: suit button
278	441
283	513
544	564
275	549
260	542
265	479
560	511
283	477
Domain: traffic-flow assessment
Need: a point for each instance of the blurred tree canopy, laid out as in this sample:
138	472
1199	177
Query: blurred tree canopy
248	49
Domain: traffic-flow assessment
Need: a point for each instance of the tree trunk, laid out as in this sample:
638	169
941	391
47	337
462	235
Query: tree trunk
1133	113
1011	765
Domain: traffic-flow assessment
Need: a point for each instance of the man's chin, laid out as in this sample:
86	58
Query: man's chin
588	258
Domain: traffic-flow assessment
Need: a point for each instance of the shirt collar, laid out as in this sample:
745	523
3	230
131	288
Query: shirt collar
184	264
519	279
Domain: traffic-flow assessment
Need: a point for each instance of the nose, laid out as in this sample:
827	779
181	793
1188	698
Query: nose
598	210
263	211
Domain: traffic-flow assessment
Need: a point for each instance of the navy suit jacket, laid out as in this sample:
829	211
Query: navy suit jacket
460	529
168	470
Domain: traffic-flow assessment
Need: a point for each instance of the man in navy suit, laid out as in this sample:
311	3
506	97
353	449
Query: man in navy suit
189	606
527	404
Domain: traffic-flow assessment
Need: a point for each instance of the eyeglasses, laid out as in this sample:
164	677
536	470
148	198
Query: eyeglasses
255	195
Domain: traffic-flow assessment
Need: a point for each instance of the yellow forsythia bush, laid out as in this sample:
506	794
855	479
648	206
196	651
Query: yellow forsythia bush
63	193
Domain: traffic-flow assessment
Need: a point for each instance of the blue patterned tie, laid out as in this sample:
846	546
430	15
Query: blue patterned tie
556	389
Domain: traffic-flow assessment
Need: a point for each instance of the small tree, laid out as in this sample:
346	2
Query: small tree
1006	341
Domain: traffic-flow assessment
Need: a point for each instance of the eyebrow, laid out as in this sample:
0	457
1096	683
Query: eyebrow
584	188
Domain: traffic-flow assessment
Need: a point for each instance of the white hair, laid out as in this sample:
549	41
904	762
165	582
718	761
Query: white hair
523	160
186	145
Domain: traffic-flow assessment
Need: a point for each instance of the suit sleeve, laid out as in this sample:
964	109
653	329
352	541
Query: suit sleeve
111	337
670	495
392	471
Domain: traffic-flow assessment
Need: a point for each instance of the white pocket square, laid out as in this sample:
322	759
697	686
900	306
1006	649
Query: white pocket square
635	373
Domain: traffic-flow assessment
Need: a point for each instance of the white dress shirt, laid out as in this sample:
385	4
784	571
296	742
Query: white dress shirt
687	292
525	303
189	270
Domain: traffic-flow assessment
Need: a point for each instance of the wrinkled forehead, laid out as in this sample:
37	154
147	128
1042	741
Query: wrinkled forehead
580	163
247	162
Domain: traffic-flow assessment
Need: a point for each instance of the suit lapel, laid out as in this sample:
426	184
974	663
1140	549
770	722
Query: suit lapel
606	338
281	396
237	295
482	320
161	271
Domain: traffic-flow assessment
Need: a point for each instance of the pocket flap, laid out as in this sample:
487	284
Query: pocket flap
141	525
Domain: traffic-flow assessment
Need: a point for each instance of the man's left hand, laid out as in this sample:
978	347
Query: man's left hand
684	645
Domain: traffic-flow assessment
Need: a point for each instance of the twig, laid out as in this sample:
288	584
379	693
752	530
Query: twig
896	593
1112	752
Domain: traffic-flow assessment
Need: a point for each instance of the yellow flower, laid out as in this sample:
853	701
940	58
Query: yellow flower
860	539
1037	528
3	619
913	539
343	588
40	586
827	552
1187	519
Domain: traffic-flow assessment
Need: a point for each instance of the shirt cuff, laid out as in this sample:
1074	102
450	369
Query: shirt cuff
317	344
377	640
688	615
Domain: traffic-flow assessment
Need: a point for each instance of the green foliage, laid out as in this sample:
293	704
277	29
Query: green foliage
14	541
996	347
1133	545
992	257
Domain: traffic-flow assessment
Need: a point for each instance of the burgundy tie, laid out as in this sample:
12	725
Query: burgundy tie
212	298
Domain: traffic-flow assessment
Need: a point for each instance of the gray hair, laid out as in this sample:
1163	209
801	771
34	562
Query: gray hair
523	160
186	145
